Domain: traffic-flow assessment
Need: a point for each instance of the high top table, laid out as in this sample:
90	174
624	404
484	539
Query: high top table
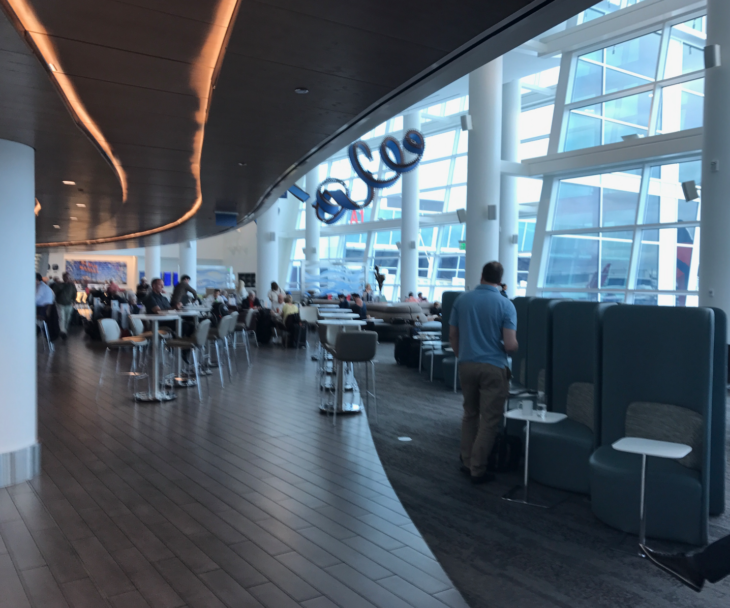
157	394
528	417
341	386
649	447
339	315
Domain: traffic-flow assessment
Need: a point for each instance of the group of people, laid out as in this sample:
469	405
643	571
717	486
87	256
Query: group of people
61	293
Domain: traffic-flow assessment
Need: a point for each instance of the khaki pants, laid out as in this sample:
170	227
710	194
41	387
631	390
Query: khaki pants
485	388
64	316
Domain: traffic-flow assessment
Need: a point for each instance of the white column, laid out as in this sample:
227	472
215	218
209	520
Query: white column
484	170
509	211
19	447
714	287
189	261
311	233
267	251
410	209
152	264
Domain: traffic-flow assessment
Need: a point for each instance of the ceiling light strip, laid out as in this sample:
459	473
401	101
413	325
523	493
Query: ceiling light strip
212	53
24	19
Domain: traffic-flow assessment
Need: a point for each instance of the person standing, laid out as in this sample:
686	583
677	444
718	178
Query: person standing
65	298
483	330
180	293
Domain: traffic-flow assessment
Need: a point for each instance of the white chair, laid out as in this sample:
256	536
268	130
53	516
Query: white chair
111	335
195	345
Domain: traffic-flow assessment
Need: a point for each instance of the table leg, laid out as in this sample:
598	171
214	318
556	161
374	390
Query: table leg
456	368
179	380
156	394
642	507
526	478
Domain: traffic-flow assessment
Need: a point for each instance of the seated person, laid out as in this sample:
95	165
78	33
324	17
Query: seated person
289	308
435	310
359	307
343	303
44	297
411	297
134	307
219	297
368	295
251	304
421	298
155	301
181	291
143	289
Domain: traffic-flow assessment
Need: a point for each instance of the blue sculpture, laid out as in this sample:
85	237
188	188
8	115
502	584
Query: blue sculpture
331	205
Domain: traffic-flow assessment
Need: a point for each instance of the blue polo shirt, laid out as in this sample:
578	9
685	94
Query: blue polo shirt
480	315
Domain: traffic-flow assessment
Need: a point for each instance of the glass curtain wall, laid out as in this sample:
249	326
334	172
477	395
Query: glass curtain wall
629	235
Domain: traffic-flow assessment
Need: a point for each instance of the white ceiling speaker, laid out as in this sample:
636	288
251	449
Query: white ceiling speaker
712	56
466	122
690	190
461	214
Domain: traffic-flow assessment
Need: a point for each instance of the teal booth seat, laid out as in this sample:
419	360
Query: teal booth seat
533	367
718	440
519	358
559	453
657	383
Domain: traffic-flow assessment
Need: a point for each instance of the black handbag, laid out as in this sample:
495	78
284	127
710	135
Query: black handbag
506	454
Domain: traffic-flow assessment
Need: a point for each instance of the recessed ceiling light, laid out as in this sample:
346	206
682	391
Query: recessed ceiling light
241	164
69	182
56	226
73	218
301	90
52	67
81	204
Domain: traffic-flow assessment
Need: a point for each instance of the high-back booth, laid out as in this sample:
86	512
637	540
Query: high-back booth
519	359
559	453
657	384
718	436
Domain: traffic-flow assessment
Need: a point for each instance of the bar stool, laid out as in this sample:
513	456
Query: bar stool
194	343
43	326
244	331
356	347
217	335
232	322
111	337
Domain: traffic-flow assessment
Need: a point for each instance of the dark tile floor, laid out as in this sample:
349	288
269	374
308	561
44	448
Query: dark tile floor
249	499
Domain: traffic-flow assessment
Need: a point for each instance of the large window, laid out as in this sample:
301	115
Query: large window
629	234
617	90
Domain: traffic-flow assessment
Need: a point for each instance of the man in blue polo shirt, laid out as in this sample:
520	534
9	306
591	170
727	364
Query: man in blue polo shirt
482	331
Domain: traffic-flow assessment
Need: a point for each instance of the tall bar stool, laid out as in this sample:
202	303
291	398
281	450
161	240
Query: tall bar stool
217	335
244	331
356	347
111	337
232	322
43	326
195	345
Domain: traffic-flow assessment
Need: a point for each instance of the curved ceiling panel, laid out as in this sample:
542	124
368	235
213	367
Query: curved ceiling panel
137	76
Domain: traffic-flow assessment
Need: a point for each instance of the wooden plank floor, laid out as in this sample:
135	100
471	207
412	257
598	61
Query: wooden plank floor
249	499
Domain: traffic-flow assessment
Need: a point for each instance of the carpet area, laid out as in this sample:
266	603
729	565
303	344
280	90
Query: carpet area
502	554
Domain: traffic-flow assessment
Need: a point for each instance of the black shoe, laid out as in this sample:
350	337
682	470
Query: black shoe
678	565
486	478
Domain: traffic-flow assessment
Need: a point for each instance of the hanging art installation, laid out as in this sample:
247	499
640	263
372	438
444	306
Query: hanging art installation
332	203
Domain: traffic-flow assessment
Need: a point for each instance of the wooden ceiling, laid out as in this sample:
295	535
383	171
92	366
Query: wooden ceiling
142	70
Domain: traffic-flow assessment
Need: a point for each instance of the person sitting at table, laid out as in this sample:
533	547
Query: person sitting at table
368	295
44	297
359	307
251	304
134	307
143	289
421	298
435	312
155	301
289	308
411	297
180	293
344	304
